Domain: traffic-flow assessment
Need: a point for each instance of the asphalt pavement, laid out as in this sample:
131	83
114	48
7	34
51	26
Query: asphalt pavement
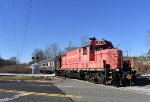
68	90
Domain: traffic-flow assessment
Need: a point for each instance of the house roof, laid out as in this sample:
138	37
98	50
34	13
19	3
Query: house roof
44	61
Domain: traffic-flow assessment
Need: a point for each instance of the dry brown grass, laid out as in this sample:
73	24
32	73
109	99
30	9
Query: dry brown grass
141	68
22	69
141	65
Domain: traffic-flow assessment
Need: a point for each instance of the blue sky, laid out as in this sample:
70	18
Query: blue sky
124	22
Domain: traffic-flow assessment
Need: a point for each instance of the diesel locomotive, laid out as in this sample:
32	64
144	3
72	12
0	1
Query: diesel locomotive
97	62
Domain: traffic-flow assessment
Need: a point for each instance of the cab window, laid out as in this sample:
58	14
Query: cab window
84	50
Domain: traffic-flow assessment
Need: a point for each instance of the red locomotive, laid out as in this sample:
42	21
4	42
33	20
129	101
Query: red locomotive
99	62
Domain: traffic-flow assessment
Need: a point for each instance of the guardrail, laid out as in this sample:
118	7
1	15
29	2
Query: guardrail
36	75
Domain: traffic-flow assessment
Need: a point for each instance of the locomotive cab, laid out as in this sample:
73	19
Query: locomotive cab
103	44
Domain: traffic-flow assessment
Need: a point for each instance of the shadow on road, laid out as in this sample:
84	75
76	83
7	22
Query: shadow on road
142	81
40	87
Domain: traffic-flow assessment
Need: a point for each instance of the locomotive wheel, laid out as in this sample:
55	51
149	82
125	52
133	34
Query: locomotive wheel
97	79
102	79
91	80
86	77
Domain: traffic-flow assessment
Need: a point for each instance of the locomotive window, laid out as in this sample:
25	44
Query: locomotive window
99	42
84	51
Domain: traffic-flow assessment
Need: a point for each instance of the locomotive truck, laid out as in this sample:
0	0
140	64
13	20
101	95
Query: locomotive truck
97	62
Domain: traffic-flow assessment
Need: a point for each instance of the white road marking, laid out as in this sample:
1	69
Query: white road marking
12	98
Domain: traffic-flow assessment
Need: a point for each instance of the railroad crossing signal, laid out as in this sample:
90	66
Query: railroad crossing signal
35	59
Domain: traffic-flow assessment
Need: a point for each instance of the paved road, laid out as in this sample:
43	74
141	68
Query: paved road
68	90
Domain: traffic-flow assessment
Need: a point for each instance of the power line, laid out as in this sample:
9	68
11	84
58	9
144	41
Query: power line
14	22
26	26
9	17
4	22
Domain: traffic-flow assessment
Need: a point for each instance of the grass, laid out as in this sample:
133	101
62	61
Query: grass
18	69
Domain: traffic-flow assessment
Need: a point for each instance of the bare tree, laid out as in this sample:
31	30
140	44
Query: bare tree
8	62
84	40
14	60
51	51
148	53
38	55
1	61
70	47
